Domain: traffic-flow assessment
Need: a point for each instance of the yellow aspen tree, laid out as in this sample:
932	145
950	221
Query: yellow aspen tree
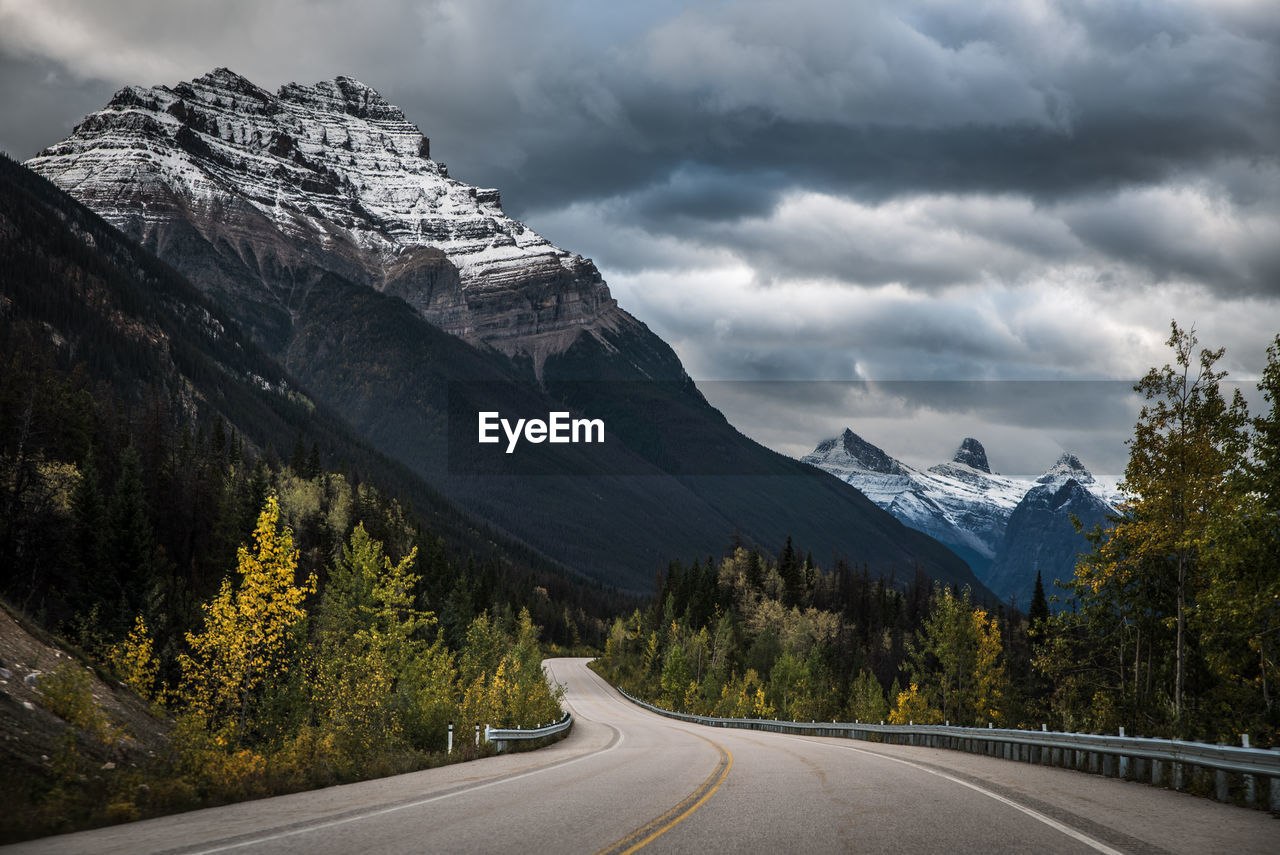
246	627
913	707
135	661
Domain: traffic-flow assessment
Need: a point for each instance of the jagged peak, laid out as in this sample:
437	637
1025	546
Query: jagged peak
342	95
1068	466
972	454
859	452
224	78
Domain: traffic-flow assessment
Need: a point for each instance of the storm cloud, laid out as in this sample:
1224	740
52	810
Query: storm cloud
807	191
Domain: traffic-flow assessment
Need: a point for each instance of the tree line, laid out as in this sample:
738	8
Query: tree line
296	625
1169	627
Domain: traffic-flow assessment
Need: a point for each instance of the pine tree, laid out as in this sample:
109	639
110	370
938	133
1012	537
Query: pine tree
129	547
218	443
87	546
380	679
313	468
792	575
755	571
298	459
1039	605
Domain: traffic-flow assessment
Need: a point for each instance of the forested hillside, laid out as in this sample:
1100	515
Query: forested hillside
1170	628
177	512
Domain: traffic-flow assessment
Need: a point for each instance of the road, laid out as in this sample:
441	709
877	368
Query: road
627	779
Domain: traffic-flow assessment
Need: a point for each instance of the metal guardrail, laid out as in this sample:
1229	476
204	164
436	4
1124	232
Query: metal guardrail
1135	758
503	737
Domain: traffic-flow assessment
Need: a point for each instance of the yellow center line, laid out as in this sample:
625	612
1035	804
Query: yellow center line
651	831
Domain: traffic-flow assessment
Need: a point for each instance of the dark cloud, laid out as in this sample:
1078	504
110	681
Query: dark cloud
818	189
1024	425
42	101
556	103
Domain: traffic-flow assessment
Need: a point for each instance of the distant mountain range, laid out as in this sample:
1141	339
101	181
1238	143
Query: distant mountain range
316	221
1007	529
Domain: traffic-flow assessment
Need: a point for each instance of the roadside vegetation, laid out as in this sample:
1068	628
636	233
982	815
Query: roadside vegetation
284	685
1170	628
288	626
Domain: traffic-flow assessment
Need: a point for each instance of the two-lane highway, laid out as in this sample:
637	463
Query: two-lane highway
626	779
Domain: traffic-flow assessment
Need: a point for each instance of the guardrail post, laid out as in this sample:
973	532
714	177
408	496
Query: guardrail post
1220	783
1177	776
1156	772
1250	782
1275	794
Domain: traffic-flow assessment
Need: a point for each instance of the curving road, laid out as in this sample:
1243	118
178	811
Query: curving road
627	779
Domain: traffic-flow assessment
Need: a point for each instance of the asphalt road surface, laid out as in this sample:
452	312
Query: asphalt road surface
626	779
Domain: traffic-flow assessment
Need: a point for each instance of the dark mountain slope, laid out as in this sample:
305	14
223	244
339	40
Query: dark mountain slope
77	295
1042	538
315	217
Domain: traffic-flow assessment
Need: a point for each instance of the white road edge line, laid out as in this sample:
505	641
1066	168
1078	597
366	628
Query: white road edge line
1096	845
419	803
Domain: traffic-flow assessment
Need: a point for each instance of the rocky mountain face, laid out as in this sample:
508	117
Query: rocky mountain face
1006	528
251	192
78	297
1041	538
316	219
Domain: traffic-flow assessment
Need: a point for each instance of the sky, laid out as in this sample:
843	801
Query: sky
838	212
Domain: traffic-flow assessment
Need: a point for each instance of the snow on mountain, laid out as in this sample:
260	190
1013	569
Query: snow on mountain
962	503
1041	538
349	181
1069	467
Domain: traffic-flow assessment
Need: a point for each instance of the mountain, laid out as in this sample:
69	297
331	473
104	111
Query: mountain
1006	528
79	299
960	503
265	190
1041	538
405	300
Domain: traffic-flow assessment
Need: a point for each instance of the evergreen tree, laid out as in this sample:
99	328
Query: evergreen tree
1039	605
87	547
298	459
313	467
755	571
218	443
381	681
129	548
792	575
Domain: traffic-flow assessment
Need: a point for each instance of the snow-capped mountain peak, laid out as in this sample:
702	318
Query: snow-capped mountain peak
852	452
326	176
1068	466
970	509
972	454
